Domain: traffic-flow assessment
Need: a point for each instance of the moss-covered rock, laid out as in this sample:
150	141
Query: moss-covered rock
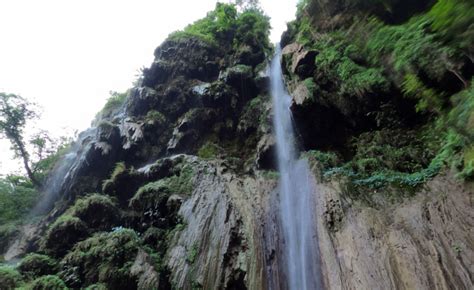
35	265
122	183
49	282
106	258
9	278
87	209
63	234
241	78
98	286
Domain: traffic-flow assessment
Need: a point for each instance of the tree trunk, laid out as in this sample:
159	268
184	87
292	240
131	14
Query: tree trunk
24	156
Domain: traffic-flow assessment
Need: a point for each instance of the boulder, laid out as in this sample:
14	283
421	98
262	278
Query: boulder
299	61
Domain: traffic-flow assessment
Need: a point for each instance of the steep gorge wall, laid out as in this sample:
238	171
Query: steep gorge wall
395	211
186	199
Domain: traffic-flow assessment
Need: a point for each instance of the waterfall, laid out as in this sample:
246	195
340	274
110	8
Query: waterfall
57	183
300	251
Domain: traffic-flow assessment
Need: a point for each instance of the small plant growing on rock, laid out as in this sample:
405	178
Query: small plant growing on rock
35	265
457	249
63	234
9	278
105	258
192	253
87	208
49	282
208	151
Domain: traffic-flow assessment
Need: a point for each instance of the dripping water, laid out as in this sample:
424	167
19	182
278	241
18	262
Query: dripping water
300	251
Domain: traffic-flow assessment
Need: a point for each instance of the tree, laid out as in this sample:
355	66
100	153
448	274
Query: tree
15	111
247	4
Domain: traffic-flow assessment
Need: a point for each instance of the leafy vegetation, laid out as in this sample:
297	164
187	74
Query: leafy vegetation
35	265
48	282
63	234
105	258
10	278
15	111
366	62
86	209
208	151
17	196
114	102
228	28
192	253
154	117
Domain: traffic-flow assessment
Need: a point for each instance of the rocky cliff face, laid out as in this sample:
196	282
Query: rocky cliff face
184	192
424	242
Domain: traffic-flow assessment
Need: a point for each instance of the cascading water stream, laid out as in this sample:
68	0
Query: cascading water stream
298	224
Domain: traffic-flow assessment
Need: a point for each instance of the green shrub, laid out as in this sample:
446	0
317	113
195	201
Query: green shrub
114	102
454	20
17	197
106	258
227	28
310	85
324	160
410	47
7	232
49	282
44	166
352	78
36	265
428	99
9	278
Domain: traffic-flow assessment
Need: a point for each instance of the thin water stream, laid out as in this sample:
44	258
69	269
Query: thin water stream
297	208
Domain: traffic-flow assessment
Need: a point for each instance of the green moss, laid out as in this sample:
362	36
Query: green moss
9	278
271	174
192	253
86	209
49	282
35	265
155	193
63	234
121	183
208	151
98	286
154	117
105	258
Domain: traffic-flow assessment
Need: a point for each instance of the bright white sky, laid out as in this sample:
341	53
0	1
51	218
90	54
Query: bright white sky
66	55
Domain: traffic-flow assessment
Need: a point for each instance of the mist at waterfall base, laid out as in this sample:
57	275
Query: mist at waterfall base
300	250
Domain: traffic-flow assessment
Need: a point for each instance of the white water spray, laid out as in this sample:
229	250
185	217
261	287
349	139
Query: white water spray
298	224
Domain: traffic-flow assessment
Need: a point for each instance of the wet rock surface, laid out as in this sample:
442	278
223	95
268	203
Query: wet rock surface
424	242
